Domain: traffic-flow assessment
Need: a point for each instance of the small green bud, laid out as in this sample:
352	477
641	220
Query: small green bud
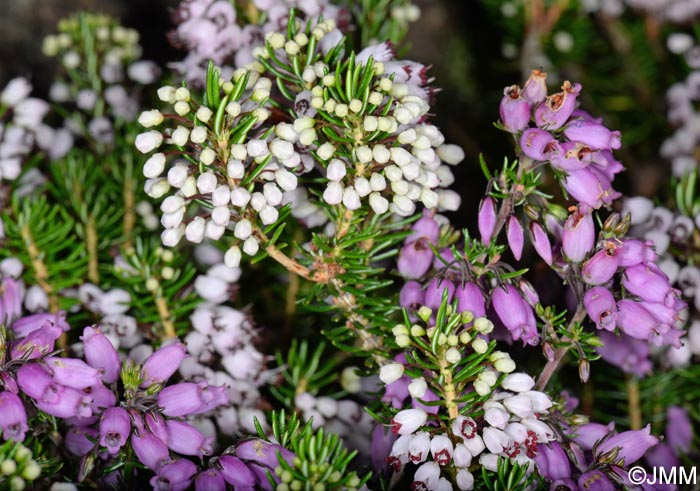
296	485
480	346
483	325
467	317
425	313
430	332
442	339
452	340
286	476
8	467
465	338
319	487
354	481
335	477
399	329
31	471
402	341
417	330
282	487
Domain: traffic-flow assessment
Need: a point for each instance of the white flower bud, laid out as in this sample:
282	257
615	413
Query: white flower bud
151	118
182	108
207	156
540	401
308	75
233	109
518	382
235	169
286	132
363	154
333	194
307	137
375	98
419	447
377	182
258	201
403	115
167	94
182	94
362	186
275	40
450	154
407	136
189	187
381	154
180	136
385	84
453	355
232	258
387	124
448	200
391	373
370	124
462	457
243	229
336	170
399	187
257	148
240	197
36	299
156	188
221	195
214	231
519	405
194	232
409	420
351	200
429	198
272	194
172	220
355	105
281	149
418	387
481	387
411	172
504	365
325	151
341	110
251	246
206	182
170	237
285	179
171	204
393	173
198	134
378	203
303	123
269	215
204	114
497	417
221	215
177	175
401	156
154	166
148	141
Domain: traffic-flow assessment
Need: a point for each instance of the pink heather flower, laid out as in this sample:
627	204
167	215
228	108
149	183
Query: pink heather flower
22	327
441	449
540	240
210	480
115	427
72	372
602	266
538	144
408	421
470	298
630	445
100	353
594	135
156	424
185	439
162	364
10	301
235	472
411	297
595	481
514	110
487	219
552	461
516	314
263	453
647	282
516	236
419	447
37	343
635	320
590	187
65	402
629	354
77	441
635	252
415	259
601	307
535	89
573	156
578	237
175	476
556	109
426	227
434	292
679	429
150	450
187	398
14	418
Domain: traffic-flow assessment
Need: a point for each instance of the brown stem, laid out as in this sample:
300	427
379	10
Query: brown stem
91	245
129	219
449	389
165	318
634	408
551	367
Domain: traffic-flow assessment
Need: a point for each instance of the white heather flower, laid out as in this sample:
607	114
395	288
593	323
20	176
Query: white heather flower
409	420
419	447
251	246
204	114
189	187
207	156
166	93
272	194
333	193
15	91
378	203
170	237
363	154
544	433
336	170
497	417
232	258
148	141
519	405
181	108
307	137
154	166
442	449
171	204
496	440
221	215
465	480
206	182
257	148
177	175
233	109
428	474
362	186
461	456
235	169
391	373
418	387
151	118
281	149
377	182
286	132
285	179
221	195
198	134
243	229
194	231
172	220
481	387
452	355
518	382
156	188
540	401
36	299
464	427
179	136
381	154
214	231
489	376
212	289
268	215
351	200
450	154
239	197
325	151
504	365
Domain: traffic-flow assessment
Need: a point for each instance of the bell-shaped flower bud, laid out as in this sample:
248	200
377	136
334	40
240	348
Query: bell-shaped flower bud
535	89
540	240
36	344
601	307
80	440
635	320
156	424
115	426
470	298
519	405
397	392
573	156
552	461
578	237
497	417
100	354
426	227
263	453
514	110
679	430
646	282
496	440
408	421
465	428
538	144
188	398
441	448
415	259
487	219
210	480
14	418
465	480
235	472
185	439
150	450
635	252
515	314
518	382
10	301
162	364
556	109
411	296
589	188
592	134
419	447
175	476
391	373
427	476
601	267
72	372
434	292
630	446
516	236
22	327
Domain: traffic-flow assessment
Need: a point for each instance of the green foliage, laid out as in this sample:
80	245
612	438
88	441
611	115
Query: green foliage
510	476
